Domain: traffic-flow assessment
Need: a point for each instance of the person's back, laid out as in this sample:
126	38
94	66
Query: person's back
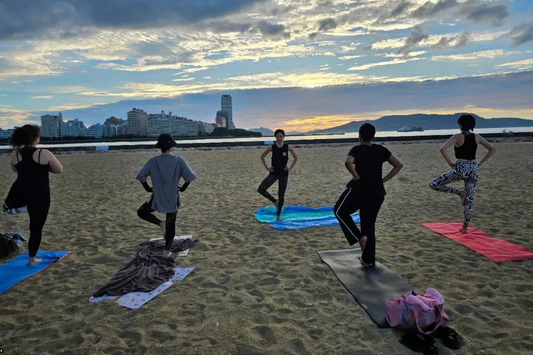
369	159
29	171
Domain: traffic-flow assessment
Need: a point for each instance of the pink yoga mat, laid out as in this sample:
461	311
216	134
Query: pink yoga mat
495	249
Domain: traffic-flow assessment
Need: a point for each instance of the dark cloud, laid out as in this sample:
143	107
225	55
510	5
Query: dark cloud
272	30
417	35
521	34
327	24
400	9
324	25
430	9
460	40
24	19
494	14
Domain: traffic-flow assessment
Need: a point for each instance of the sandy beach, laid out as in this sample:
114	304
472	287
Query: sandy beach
256	290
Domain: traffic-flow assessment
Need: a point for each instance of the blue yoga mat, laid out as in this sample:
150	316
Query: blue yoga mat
299	217
17	270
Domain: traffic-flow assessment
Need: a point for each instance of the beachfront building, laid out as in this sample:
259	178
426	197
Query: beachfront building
109	130
221	119
5	133
183	127
227	106
205	128
137	120
73	128
113	120
158	123
94	131
122	129
51	125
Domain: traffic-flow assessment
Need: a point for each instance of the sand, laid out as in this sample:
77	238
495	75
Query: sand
256	290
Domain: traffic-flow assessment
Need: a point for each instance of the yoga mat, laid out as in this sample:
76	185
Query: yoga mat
134	300
17	270
299	217
495	249
371	286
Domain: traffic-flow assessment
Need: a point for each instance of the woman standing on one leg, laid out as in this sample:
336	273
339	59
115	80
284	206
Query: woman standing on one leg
465	168
32	187
165	170
279	170
365	192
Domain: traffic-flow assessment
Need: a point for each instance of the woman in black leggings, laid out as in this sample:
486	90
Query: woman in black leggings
279	170
32	188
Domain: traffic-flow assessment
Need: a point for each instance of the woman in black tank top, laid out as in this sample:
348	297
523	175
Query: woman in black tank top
31	190
465	167
278	169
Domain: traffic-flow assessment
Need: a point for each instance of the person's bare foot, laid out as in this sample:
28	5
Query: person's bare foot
463	230
168	254
362	242
365	264
463	197
33	261
278	218
163	226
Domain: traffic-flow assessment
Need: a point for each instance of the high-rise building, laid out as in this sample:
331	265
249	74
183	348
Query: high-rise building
227	107
5	133
122	129
113	120
95	131
51	125
222	118
205	128
109	130
73	128
137	120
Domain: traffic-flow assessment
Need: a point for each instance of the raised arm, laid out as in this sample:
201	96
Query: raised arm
294	156
47	158
268	150
349	163
396	167
445	147
490	148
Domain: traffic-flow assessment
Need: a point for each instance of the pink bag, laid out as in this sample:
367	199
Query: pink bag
412	311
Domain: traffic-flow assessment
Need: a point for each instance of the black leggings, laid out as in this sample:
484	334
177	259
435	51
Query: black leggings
368	207
282	186
145	212
37	198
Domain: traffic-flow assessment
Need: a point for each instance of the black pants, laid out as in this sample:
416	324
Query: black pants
145	212
37	198
282	186
368	206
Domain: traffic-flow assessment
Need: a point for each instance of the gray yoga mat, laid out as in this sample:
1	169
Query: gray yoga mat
371	286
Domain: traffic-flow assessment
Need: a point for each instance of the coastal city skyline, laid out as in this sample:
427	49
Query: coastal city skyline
290	64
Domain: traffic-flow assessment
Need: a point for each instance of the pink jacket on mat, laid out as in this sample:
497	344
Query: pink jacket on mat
413	311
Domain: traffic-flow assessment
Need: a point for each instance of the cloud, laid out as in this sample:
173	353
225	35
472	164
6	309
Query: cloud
24	19
429	9
521	34
10	117
415	37
43	97
272	30
490	54
494	14
456	41
379	64
520	65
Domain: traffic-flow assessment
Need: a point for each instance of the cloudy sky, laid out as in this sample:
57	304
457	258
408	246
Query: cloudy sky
296	64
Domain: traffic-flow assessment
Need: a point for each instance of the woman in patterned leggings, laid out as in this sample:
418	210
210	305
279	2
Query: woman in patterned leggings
465	168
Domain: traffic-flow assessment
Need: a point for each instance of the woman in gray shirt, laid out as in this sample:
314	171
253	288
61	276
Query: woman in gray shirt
165	171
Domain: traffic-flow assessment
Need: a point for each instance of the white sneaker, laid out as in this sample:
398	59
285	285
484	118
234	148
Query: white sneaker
14	210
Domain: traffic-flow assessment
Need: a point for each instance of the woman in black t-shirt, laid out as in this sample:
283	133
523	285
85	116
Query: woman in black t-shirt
365	192
278	169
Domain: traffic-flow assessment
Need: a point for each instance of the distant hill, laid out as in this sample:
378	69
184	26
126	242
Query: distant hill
264	131
428	121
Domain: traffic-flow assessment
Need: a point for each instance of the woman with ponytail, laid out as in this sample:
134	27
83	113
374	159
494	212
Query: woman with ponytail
32	188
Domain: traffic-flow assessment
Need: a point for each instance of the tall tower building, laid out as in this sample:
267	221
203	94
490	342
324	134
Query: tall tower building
137	120
51	125
227	107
